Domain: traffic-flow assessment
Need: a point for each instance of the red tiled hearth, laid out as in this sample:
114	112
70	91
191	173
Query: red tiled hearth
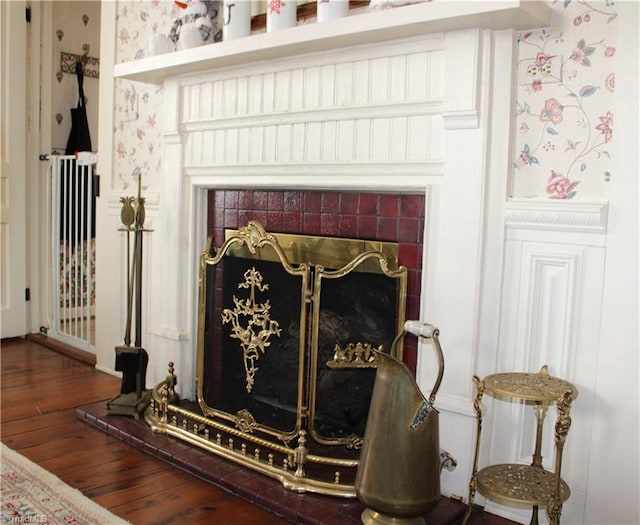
304	509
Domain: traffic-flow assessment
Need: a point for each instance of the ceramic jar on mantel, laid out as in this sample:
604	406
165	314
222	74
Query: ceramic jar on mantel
281	14
332	9
237	19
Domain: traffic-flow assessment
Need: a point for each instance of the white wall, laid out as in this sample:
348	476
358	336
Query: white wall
614	461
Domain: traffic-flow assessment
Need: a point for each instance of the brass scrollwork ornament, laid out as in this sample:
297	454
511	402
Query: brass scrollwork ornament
356	355
254	336
245	421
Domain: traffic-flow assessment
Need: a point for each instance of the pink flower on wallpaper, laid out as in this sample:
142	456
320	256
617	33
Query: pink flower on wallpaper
536	85
276	5
605	126
124	36
552	111
560	187
582	52
542	58
525	158
577	55
121	150
609	51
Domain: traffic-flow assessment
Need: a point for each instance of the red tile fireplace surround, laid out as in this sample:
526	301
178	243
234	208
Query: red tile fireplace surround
357	215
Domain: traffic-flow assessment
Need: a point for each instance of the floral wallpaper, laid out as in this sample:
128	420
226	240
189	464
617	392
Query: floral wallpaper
564	108
137	105
564	114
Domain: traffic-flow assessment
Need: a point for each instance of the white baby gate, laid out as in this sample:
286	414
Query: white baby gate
72	251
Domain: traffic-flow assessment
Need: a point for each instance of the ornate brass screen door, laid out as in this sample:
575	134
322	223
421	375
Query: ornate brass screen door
252	349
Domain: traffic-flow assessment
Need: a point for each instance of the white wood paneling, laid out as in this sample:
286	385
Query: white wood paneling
553	281
380	105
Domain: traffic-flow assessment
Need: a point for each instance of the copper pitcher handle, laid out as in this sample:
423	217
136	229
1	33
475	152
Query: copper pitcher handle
436	343
420	329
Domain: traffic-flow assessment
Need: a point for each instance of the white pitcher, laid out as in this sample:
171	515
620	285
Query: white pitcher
281	14
237	19
332	9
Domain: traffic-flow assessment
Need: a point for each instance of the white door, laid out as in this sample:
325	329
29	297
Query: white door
13	111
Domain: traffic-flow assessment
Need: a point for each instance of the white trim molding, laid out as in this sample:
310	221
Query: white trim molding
574	217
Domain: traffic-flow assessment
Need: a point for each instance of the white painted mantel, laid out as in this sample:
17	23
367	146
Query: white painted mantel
364	28
416	99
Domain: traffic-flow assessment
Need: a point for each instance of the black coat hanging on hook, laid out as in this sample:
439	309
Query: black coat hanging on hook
77	216
79	137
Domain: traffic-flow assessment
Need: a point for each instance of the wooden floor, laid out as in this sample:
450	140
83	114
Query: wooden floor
41	390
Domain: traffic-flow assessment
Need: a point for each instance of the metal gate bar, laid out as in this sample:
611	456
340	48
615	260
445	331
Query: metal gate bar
72	244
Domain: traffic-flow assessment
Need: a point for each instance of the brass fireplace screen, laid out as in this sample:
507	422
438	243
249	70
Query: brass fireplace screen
287	328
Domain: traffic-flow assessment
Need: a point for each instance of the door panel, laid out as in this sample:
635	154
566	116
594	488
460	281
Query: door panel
13	111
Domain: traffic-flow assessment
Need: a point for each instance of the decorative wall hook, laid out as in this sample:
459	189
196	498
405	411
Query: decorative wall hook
90	65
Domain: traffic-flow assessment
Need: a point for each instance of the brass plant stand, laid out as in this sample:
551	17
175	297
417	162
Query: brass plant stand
514	483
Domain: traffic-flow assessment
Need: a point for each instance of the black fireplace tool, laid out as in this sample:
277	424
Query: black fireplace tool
132	360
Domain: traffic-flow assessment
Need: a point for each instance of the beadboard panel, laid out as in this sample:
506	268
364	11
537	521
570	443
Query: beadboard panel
414	77
367	140
379	105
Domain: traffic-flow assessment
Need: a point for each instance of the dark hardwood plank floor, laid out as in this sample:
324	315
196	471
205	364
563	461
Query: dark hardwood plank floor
40	392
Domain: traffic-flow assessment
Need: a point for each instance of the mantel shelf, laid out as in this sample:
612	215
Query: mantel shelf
364	28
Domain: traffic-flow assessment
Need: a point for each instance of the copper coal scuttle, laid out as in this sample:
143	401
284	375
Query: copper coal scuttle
398	478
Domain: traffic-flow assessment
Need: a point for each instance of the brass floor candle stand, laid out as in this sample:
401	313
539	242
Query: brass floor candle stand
514	483
132	360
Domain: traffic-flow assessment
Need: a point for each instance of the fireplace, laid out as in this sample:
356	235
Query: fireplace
421	110
289	326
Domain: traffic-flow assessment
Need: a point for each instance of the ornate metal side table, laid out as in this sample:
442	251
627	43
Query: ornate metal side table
514	483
